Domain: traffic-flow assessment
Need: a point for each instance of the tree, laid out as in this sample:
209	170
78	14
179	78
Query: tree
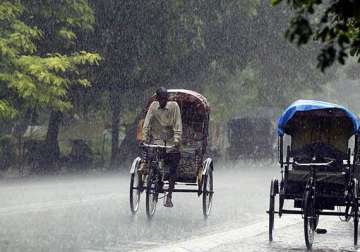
38	62
37	78
335	25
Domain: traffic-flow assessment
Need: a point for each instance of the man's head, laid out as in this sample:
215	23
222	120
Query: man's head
162	96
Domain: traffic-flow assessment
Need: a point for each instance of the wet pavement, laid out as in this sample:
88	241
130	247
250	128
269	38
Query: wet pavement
339	237
288	236
91	213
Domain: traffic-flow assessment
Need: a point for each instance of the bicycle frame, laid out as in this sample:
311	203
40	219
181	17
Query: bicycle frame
157	161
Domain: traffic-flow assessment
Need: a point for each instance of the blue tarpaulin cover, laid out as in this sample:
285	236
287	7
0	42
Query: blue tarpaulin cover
308	105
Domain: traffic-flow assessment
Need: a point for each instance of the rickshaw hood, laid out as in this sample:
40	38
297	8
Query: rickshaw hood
309	105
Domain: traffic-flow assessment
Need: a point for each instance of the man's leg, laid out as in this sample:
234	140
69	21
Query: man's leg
172	160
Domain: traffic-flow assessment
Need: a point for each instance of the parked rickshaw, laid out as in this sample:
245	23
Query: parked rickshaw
318	173
194	172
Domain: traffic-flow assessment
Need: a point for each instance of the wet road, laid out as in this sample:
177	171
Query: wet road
91	213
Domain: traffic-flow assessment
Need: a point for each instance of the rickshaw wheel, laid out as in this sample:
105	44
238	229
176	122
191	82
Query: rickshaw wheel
271	211
152	193
355	210
310	219
135	192
207	193
356	223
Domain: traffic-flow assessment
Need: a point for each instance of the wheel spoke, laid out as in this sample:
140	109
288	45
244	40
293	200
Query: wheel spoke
310	219
151	196
271	211
207	194
135	190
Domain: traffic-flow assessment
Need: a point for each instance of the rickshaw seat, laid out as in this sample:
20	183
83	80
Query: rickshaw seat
191	152
192	132
190	160
323	153
319	150
331	183
324	177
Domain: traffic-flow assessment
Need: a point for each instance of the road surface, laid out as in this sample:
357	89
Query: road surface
91	213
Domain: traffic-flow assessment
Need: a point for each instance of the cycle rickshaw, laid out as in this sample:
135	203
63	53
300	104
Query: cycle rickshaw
318	173
194	173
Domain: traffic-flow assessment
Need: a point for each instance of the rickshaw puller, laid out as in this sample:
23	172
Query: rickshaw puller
163	124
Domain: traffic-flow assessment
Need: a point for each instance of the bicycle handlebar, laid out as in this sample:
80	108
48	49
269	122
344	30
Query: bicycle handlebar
314	164
158	146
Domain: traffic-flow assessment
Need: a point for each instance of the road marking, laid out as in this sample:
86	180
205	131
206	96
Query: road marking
52	205
208	242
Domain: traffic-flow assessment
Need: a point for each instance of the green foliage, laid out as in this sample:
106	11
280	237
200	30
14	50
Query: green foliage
336	25
6	110
29	72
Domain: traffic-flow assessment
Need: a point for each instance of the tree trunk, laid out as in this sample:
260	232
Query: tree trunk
115	121
51	142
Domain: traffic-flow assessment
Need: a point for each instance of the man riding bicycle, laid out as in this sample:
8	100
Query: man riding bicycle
162	125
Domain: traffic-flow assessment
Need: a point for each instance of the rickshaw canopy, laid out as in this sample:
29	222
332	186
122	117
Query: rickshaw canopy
301	106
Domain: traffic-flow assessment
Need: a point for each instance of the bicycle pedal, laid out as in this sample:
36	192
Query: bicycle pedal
321	231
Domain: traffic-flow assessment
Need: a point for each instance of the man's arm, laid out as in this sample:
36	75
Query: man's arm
146	126
177	124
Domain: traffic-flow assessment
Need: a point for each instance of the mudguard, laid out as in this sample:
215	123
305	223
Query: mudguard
135	164
207	166
274	187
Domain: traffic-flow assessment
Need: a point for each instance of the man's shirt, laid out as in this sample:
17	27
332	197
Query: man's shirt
163	124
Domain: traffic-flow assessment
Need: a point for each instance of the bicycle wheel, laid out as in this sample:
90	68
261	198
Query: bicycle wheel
310	219
355	210
356	223
271	211
135	192
207	193
152	193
